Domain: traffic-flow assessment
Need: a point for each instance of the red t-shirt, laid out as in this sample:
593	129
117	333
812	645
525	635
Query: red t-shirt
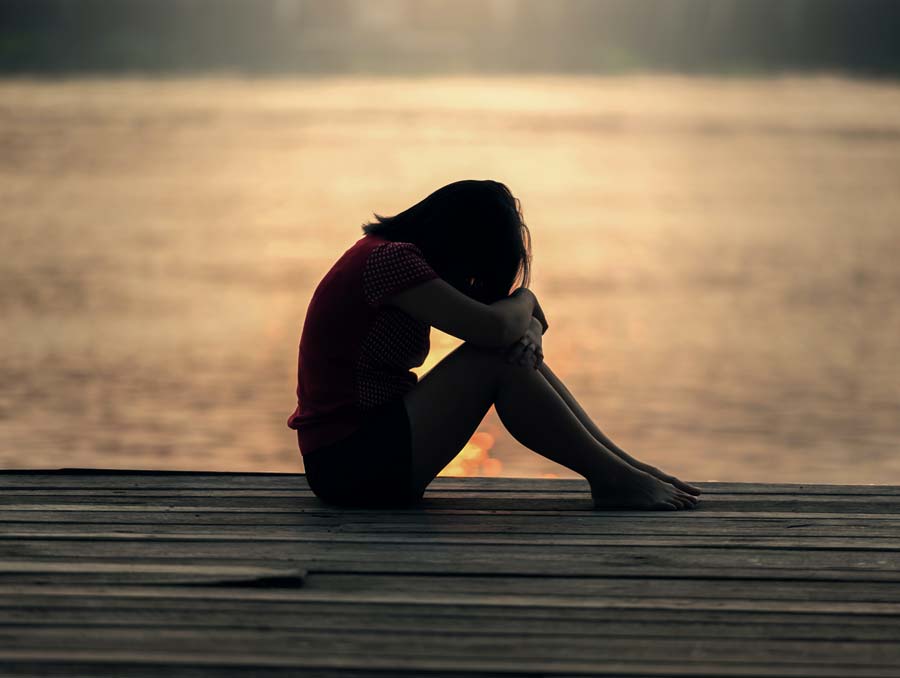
355	351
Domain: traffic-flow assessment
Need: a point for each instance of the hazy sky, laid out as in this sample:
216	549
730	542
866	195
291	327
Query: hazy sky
415	36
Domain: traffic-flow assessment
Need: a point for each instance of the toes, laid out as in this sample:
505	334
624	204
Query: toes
685	500
688	499
685	487
676	497
677	501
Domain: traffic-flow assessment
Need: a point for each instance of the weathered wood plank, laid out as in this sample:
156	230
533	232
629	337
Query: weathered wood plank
611	587
727	609
192	665
596	523
805	534
833	622
475	540
870	506
588	559
313	647
323	645
149	667
105	478
89	576
555	602
452	509
440	567
81	495
114	495
151	573
814	543
441	620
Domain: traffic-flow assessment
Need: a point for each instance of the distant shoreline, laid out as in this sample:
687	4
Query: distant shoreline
225	75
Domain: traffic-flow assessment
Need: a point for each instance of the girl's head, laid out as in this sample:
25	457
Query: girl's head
471	232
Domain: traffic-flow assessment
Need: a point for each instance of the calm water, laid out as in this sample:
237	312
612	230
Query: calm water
718	260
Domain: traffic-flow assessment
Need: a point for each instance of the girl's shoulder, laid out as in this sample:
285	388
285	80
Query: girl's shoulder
392	266
358	253
373	256
373	250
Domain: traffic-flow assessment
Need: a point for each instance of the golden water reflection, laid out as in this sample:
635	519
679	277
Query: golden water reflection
717	259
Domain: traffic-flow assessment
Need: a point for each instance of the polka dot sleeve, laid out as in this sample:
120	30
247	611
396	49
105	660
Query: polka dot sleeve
392	268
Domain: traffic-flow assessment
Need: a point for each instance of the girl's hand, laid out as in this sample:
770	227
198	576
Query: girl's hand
538	312
528	350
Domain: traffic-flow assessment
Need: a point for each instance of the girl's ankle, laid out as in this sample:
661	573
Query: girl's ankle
614	474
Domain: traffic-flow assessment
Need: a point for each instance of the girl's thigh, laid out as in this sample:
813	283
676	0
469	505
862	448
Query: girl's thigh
447	405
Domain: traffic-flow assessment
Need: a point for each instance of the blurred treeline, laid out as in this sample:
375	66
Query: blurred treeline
411	36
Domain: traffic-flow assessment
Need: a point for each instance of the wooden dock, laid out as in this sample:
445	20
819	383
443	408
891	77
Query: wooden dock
199	574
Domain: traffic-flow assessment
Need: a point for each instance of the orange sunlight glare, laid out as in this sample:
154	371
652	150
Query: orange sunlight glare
474	459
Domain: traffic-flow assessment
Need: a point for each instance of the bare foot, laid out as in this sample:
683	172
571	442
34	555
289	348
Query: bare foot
641	491
665	477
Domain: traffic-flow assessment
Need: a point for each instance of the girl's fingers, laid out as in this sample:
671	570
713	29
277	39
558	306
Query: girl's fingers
516	351
521	351
526	354
526	351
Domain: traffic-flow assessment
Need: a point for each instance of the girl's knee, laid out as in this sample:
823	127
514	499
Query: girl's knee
484	354
495	359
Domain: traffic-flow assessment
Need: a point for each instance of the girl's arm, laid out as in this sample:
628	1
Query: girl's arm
441	305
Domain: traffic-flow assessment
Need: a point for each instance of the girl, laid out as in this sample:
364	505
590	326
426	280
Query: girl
370	433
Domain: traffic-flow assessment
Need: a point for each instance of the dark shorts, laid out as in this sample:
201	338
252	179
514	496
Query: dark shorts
370	468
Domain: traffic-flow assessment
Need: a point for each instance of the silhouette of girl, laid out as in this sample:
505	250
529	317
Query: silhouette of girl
370	433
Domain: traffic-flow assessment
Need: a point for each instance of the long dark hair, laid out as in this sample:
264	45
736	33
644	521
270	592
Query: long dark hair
472	234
